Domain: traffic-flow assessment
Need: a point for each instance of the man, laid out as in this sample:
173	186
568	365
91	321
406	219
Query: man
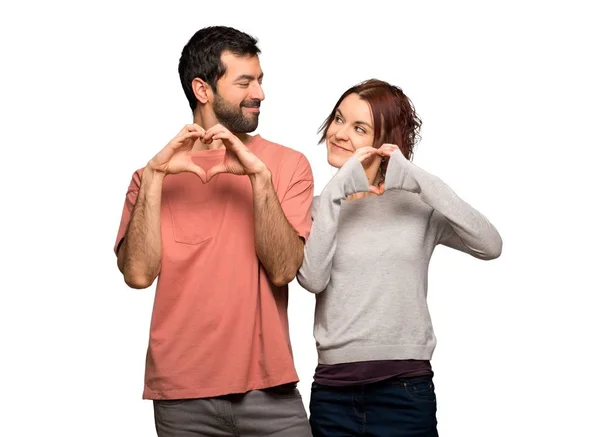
220	218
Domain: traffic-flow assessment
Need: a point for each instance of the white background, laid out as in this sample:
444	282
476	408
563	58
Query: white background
508	94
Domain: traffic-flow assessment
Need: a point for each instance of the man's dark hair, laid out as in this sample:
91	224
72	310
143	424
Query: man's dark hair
201	56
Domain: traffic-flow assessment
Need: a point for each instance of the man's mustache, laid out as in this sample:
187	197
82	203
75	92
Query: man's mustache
251	104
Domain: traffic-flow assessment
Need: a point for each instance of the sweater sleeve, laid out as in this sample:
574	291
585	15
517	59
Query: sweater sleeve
459	225
315	272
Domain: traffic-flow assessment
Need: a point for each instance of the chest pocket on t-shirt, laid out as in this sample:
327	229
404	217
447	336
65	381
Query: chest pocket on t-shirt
192	222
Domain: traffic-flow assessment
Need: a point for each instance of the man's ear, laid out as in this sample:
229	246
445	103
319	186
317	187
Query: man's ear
202	90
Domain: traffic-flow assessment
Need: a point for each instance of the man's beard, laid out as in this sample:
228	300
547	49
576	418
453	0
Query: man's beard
233	118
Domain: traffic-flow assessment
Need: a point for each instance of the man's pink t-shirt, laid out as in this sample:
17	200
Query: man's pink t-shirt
219	326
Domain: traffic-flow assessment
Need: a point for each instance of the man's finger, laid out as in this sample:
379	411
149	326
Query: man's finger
232	143
190	128
213	171
197	127
213	130
182	138
193	134
210	136
199	171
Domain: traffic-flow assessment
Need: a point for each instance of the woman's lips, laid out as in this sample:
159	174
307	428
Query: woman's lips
339	147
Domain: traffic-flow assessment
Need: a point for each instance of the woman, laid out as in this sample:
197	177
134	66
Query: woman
375	226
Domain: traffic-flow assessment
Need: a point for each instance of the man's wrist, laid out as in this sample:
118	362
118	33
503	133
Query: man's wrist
152	174
261	178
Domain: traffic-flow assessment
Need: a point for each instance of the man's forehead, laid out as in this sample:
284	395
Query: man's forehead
248	65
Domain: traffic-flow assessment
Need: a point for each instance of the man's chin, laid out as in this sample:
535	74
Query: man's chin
252	124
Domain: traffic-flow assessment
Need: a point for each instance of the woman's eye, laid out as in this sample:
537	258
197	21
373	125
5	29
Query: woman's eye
338	119
360	130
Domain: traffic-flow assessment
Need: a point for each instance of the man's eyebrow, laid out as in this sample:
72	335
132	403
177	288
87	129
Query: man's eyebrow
248	77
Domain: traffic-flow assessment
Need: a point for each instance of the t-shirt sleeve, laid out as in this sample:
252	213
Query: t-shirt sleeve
297	200
130	199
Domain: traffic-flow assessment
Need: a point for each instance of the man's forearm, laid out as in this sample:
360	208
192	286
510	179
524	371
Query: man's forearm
140	254
278	246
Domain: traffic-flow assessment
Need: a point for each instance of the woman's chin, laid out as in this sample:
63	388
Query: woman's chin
336	161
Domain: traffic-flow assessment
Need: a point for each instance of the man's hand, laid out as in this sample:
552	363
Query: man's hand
238	160
176	157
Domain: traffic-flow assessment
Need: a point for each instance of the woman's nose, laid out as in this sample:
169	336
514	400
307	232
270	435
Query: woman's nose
341	134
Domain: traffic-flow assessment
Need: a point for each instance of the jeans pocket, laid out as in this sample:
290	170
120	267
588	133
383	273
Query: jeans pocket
421	389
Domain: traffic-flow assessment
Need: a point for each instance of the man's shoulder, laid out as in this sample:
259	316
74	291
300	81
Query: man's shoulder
278	150
283	159
136	178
